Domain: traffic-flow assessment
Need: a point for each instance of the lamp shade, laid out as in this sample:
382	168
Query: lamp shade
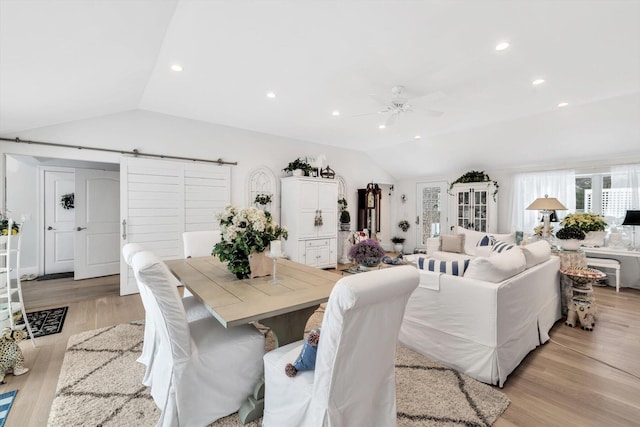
546	203
632	218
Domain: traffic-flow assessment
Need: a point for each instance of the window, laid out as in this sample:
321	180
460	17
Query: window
595	193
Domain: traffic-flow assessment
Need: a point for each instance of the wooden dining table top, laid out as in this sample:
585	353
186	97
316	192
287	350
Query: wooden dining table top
236	302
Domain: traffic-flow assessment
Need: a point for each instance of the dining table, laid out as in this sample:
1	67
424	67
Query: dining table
284	307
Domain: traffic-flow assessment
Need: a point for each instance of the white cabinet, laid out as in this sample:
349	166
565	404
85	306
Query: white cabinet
474	207
309	211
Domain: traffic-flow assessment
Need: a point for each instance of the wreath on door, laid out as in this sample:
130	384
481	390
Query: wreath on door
67	201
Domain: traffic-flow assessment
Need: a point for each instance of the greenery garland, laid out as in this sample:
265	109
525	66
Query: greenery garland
475	176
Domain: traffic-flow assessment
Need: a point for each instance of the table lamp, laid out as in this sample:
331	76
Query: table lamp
632	218
546	205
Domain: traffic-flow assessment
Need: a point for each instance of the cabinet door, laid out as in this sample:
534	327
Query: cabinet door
464	209
311	256
480	210
328	207
308	209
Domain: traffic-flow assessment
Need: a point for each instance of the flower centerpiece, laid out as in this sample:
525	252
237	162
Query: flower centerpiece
591	224
245	231
367	253
570	237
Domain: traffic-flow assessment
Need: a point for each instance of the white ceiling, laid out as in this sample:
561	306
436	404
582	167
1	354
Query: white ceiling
68	60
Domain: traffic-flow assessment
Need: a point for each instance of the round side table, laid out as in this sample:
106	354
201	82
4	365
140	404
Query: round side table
582	307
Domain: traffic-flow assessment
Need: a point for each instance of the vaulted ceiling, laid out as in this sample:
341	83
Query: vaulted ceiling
68	60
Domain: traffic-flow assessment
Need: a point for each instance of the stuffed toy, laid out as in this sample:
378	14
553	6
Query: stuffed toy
307	359
11	359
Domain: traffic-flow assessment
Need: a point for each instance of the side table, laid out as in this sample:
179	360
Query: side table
568	260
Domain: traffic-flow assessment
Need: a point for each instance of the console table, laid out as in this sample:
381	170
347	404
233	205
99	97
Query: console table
629	274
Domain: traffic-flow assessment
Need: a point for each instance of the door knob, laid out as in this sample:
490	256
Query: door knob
80	228
50	228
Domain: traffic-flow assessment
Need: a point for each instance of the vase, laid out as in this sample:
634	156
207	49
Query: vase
570	244
398	248
368	264
594	239
260	265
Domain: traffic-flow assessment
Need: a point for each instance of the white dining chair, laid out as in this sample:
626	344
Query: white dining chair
199	243
354	379
201	371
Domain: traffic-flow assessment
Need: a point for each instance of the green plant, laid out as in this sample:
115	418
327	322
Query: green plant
404	225
245	231
584	221
298	164
345	217
475	176
263	199
397	240
4	225
569	233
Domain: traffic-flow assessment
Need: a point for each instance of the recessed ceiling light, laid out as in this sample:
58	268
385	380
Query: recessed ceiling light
335	113
271	94
537	82
502	46
417	137
176	67
381	127
563	104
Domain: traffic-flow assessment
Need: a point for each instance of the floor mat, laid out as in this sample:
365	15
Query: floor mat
6	400
46	322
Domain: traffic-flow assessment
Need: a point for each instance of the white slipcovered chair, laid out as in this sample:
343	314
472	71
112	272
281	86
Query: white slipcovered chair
201	370
354	379
199	243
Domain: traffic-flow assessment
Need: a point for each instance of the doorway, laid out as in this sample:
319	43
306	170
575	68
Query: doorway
59	220
432	211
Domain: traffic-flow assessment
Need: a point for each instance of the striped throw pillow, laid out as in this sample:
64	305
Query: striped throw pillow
500	247
486	241
455	268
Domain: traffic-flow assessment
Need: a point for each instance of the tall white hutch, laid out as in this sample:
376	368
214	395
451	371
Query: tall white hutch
309	211
474	206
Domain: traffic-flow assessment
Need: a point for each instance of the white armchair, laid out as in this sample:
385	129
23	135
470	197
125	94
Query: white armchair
201	370
354	380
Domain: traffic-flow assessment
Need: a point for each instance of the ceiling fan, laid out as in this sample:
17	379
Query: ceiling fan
399	104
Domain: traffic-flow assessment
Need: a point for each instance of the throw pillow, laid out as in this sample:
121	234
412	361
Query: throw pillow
450	243
501	246
486	241
536	253
483	250
307	359
455	268
498	267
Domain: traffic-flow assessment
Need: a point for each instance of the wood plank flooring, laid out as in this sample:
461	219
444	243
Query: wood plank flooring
558	384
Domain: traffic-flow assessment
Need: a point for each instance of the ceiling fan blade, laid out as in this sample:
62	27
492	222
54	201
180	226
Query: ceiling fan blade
432	113
430	97
391	120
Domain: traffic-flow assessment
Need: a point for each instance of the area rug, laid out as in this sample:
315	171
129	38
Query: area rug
99	384
46	322
6	400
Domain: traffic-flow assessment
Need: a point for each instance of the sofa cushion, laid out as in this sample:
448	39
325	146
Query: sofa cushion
536	253
501	246
497	267
455	268
472	238
454	243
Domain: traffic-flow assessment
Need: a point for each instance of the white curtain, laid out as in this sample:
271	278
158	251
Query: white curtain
627	177
527	187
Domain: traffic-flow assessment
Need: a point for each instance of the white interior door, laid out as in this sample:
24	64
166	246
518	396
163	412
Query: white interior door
159	199
97	237
59	222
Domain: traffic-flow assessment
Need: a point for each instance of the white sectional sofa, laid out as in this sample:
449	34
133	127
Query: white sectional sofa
485	322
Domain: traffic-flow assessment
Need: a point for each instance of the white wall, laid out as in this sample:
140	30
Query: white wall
150	132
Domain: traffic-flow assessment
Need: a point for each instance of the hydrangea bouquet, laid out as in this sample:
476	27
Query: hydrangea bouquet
368	252
245	231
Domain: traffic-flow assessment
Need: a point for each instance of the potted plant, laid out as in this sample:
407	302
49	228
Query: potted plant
345	216
245	232
591	224
367	254
4	225
298	167
397	243
570	238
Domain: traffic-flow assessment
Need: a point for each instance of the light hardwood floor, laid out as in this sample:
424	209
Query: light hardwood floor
554	385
